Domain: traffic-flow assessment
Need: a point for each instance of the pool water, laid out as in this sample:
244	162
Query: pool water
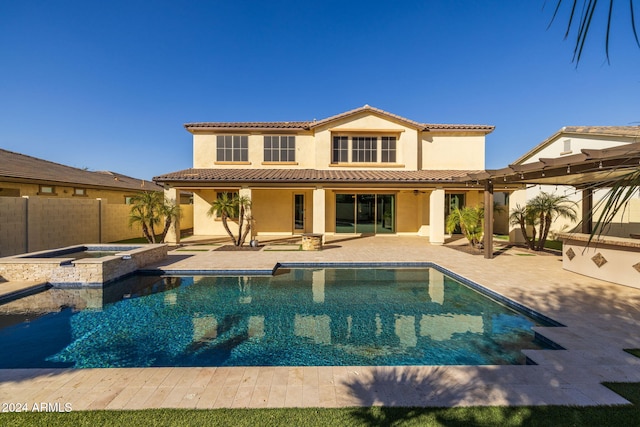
86	254
298	317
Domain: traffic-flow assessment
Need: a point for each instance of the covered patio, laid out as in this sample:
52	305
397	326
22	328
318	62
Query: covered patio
587	171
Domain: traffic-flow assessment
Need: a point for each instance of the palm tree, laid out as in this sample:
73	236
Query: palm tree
470	221
231	206
149	209
548	207
525	218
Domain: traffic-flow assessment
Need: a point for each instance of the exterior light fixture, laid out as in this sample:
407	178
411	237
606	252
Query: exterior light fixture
568	168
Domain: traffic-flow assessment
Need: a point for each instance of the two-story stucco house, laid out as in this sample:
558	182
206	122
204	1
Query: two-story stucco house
365	171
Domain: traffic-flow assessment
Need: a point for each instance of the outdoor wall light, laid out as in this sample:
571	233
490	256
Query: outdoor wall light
568	168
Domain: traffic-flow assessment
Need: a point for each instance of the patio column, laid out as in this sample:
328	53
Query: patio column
172	195
587	211
488	220
246	193
436	217
517	198
318	211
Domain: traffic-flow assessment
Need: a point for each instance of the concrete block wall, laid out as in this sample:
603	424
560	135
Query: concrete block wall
30	224
66	222
13	225
115	223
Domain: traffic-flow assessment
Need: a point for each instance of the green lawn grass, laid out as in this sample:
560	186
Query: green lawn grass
624	415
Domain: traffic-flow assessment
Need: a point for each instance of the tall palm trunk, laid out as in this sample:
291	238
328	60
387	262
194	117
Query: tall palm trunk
226	227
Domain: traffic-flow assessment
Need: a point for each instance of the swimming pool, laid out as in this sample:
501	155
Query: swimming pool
297	317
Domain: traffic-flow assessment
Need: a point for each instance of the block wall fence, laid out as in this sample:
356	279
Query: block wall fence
29	224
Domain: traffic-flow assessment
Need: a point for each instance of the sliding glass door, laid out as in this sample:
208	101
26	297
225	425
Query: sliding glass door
365	213
385	213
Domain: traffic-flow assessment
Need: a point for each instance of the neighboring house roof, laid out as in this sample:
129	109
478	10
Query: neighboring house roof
18	167
226	176
627	134
314	124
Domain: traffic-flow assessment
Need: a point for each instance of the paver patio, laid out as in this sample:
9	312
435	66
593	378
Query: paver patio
601	320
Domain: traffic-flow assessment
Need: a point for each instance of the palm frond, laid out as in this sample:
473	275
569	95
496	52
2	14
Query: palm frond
583	24
616	199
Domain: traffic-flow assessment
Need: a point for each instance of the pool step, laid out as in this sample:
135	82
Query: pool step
10	291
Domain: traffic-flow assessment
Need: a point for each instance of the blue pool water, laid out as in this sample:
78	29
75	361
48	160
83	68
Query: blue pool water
298	317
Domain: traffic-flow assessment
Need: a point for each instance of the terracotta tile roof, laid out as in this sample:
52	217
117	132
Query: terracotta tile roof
309	125
622	133
310	176
248	125
20	167
629	131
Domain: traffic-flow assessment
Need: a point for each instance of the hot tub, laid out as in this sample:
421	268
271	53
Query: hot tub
74	265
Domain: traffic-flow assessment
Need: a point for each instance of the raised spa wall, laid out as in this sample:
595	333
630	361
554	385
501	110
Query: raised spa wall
61	272
614	259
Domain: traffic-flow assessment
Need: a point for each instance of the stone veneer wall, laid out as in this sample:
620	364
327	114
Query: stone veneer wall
87	271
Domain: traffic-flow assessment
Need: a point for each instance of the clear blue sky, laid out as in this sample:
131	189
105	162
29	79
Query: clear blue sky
108	85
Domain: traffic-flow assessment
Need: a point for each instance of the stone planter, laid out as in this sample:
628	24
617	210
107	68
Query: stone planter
312	242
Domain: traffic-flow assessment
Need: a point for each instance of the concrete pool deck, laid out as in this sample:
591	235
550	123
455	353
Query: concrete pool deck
601	320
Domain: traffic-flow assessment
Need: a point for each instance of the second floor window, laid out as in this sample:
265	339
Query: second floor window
388	149
232	148
279	148
364	149
340	149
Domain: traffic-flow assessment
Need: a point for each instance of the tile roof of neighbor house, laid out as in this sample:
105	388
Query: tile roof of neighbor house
624	133
199	176
22	168
309	125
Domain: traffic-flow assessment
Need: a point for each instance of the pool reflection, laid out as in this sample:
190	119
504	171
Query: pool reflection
304	317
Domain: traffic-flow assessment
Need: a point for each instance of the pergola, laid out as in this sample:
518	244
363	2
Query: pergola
590	169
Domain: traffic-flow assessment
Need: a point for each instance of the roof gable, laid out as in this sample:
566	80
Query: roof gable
622	134
314	124
366	110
